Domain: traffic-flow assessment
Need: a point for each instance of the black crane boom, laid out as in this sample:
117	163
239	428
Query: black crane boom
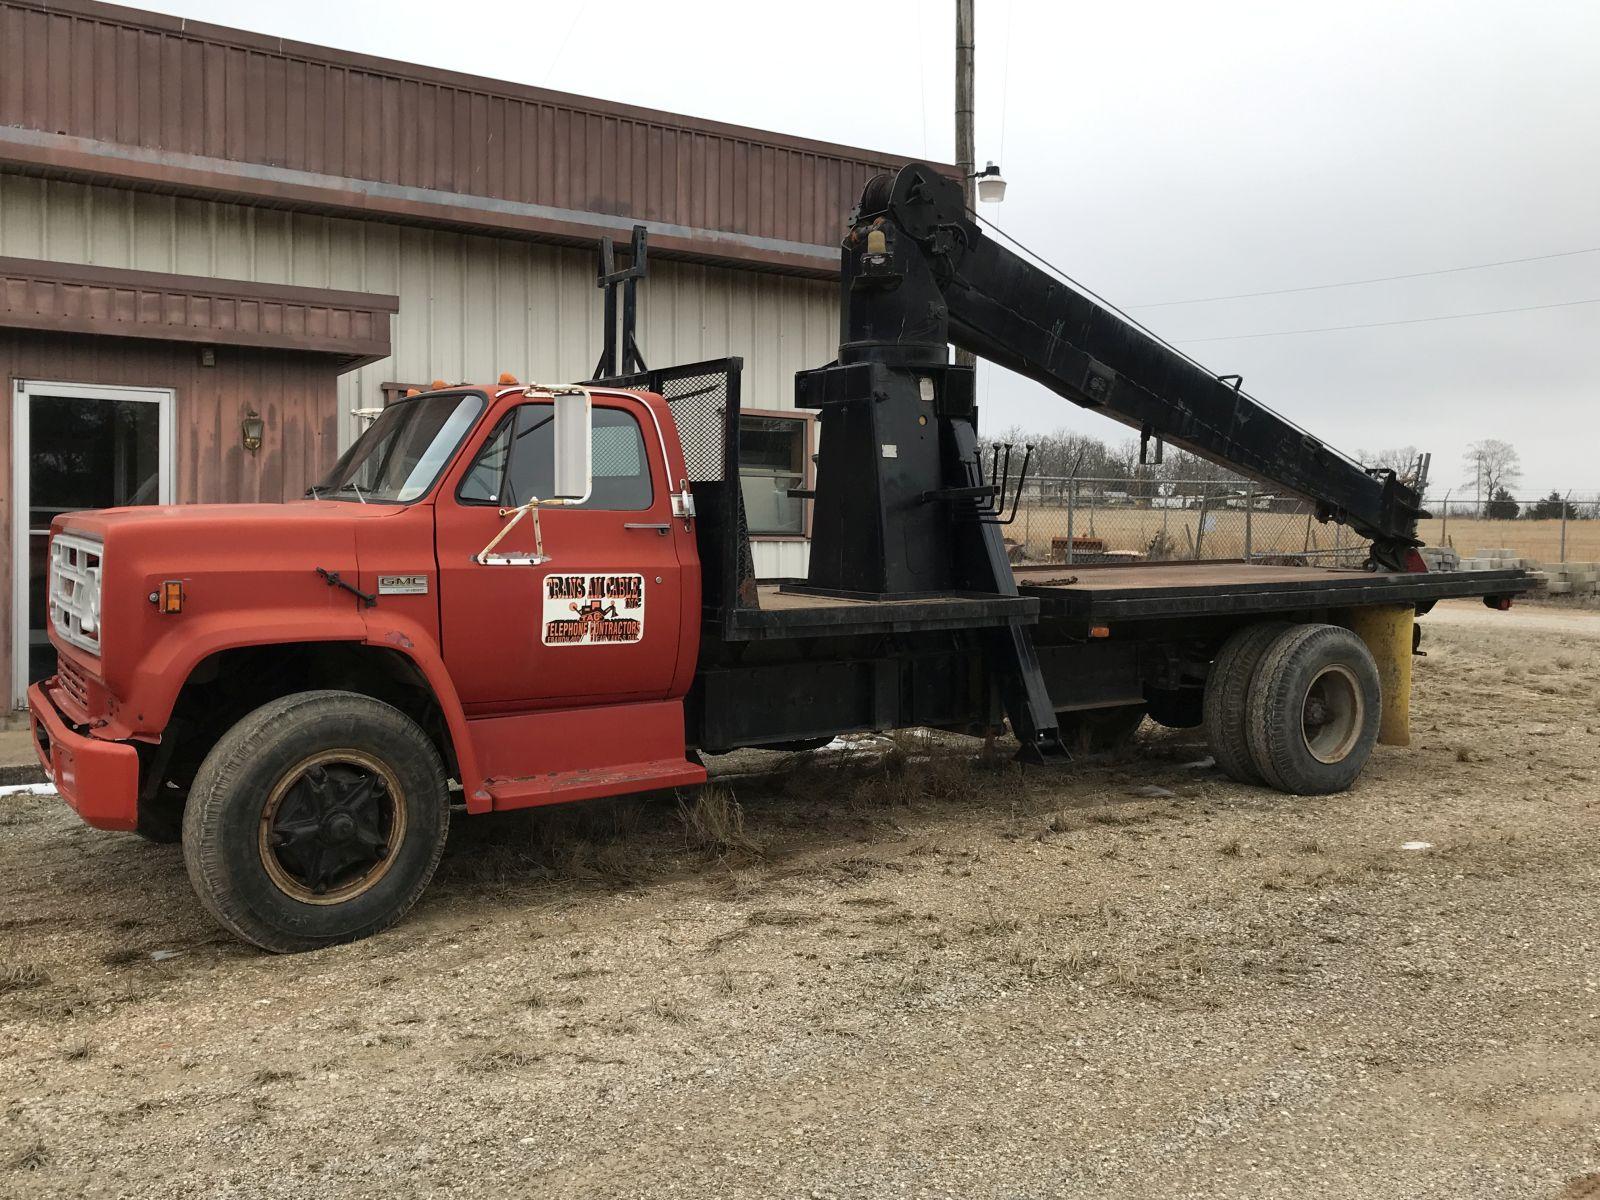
1004	309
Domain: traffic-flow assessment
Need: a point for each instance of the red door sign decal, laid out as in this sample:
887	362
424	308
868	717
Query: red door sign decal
593	610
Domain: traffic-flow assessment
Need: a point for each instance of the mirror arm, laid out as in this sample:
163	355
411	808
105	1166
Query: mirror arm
486	556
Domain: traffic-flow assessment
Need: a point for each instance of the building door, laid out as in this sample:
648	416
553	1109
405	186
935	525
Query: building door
75	446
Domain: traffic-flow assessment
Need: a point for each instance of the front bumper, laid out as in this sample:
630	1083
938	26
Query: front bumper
100	779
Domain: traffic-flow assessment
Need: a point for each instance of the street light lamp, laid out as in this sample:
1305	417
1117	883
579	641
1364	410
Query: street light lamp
991	184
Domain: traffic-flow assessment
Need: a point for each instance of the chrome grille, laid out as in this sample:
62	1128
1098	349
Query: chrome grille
75	564
72	681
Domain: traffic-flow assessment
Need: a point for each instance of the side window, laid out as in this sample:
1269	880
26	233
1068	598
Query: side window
481	483
515	463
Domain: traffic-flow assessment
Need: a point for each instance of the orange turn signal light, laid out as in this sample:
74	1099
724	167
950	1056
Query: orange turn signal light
1099	631
170	596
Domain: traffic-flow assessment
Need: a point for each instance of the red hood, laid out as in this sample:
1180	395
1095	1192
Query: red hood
185	519
253	564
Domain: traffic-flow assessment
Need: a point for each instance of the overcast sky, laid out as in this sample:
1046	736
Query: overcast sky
1166	151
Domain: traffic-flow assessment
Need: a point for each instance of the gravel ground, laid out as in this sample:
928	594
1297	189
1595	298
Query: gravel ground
901	977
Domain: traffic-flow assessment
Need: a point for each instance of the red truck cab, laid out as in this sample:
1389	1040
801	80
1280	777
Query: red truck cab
290	687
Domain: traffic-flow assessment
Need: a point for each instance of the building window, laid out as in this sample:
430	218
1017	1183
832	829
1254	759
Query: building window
774	456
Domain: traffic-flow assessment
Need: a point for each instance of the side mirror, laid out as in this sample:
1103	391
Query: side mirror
571	479
574	446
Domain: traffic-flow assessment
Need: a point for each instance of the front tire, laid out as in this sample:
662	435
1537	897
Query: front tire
319	818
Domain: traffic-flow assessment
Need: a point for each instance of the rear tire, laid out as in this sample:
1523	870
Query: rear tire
319	818
1227	692
1313	710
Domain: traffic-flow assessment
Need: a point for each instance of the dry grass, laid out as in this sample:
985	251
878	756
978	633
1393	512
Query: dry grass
670	1012
782	917
1141	529
20	976
31	1157
713	823
269	1075
502	1059
1539	540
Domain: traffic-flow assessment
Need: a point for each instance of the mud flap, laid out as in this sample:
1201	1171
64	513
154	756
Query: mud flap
1386	630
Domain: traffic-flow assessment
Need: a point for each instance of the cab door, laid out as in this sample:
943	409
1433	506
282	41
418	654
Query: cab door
600	621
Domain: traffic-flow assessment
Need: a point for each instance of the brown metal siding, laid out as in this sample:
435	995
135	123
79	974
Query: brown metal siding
67	298
155	83
294	393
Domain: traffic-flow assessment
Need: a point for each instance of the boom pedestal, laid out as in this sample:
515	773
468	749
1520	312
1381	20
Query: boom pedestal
902	507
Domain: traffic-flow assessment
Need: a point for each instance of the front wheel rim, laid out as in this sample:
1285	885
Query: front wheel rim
1333	714
331	826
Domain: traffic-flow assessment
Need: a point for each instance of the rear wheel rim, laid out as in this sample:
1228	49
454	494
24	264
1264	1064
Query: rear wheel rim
1333	714
331	826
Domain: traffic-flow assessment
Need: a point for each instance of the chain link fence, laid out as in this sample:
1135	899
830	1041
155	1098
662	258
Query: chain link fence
1118	520
1563	527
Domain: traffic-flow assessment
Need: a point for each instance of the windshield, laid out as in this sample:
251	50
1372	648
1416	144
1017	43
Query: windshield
401	454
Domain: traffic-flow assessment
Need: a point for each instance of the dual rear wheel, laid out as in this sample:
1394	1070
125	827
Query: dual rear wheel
1295	707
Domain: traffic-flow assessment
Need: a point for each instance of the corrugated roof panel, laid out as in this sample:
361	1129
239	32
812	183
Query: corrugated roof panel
155	101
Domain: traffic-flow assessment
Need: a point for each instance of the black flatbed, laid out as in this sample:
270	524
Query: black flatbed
783	614
1101	593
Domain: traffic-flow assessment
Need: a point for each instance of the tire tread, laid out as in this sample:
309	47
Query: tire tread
1226	696
224	770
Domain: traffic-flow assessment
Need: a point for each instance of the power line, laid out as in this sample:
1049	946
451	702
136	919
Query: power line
1322	287
561	48
1085	290
1491	312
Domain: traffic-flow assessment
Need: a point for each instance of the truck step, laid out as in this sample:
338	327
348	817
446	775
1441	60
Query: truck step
580	754
559	787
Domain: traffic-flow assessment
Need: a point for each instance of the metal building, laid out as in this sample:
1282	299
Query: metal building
217	246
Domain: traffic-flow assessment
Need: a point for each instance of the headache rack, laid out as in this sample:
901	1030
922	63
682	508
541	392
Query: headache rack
704	398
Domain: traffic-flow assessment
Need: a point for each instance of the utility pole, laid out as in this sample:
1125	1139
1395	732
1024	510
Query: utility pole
965	153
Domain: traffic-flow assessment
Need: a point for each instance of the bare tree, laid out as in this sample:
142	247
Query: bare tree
1492	466
1402	460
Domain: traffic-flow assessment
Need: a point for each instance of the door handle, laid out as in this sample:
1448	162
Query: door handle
663	528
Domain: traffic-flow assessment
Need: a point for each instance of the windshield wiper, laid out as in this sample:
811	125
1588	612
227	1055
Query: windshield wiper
312	492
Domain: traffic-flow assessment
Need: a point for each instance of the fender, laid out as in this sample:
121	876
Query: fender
407	637
163	671
166	666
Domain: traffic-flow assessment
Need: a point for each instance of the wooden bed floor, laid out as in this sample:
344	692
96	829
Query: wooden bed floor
771	599
1096	577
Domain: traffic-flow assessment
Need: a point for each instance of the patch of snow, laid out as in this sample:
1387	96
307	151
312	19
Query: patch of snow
28	789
